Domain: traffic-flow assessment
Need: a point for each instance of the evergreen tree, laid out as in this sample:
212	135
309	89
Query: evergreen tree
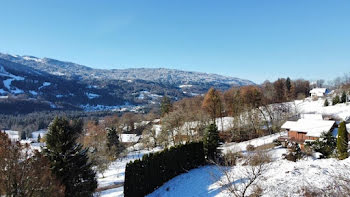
326	144
211	141
335	100
39	138
326	103
342	141
112	137
165	105
68	160
288	84
113	142
23	135
343	97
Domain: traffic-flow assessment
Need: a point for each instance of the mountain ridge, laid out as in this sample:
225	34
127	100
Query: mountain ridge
58	85
153	74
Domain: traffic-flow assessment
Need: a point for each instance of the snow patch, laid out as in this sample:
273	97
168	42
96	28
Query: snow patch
34	93
185	86
45	84
92	95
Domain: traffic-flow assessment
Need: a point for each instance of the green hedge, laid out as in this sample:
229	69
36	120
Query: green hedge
146	175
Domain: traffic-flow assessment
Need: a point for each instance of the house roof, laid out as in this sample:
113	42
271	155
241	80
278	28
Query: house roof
288	124
319	90
312	128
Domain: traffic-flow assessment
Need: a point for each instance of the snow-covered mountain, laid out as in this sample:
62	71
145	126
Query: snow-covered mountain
60	84
161	75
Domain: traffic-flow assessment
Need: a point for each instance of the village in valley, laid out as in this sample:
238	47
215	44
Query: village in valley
294	141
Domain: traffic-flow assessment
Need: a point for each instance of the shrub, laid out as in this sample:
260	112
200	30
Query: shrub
258	158
250	147
326	144
326	103
343	97
276	142
294	153
336	100
144	175
230	158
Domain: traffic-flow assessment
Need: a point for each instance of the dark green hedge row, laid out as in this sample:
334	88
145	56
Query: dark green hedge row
144	176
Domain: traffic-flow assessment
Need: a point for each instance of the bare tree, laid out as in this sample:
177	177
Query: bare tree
24	172
149	138
247	183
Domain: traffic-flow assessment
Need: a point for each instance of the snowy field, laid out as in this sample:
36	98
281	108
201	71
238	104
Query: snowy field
281	178
341	111
242	146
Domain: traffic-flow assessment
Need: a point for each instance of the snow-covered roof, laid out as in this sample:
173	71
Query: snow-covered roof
312	116
313	128
13	135
318	90
288	124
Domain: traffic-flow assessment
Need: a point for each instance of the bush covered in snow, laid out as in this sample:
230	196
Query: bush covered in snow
250	147
326	144
294	153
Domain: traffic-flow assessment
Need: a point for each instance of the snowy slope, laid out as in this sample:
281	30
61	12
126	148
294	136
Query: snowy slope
242	146
341	111
282	178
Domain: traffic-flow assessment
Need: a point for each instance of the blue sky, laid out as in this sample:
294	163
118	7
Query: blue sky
256	40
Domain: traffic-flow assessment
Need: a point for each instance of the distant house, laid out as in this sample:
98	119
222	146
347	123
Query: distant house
13	135
319	92
307	129
129	138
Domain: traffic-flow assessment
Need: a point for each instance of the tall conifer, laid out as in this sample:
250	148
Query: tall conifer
342	141
68	160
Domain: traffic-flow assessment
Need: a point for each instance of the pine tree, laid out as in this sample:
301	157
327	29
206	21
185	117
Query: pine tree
165	105
211	141
288	84
23	135
326	103
326	144
342	141
335	100
343	97
113	142
68	160
112	137
39	138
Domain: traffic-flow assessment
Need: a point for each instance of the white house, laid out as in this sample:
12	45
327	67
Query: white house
13	135
319	92
129	138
